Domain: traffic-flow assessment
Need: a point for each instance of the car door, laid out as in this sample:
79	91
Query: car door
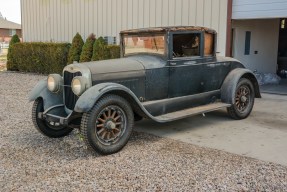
185	63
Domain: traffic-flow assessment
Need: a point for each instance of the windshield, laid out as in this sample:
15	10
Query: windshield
134	44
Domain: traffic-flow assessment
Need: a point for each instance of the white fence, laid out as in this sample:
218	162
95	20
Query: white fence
4	45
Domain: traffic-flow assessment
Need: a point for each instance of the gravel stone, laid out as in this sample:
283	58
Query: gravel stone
32	162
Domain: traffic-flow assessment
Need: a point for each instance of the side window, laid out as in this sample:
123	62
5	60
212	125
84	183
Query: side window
208	44
186	45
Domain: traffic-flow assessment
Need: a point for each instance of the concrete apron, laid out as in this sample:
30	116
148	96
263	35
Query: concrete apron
263	135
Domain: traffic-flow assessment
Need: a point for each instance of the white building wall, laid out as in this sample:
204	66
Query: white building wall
264	39
60	20
255	9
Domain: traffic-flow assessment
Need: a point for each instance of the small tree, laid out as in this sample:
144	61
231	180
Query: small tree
15	39
100	51
87	51
76	49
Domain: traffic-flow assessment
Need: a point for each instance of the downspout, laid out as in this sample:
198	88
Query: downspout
228	50
21	9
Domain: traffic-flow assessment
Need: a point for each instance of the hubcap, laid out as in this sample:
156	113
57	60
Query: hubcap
110	125
242	98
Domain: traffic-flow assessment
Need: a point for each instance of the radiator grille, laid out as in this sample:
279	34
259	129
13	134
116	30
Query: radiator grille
70	98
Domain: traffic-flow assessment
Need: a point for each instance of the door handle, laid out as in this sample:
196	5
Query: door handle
171	63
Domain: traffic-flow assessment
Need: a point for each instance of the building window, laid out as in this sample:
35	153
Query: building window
12	32
110	40
283	23
247	43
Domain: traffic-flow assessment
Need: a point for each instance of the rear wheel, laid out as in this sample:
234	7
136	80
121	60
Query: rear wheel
244	100
43	126
107	127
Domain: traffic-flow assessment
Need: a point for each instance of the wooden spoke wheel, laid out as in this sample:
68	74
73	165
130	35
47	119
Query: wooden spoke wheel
244	100
110	125
106	128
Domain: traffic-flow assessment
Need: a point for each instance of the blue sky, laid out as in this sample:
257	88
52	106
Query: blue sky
11	10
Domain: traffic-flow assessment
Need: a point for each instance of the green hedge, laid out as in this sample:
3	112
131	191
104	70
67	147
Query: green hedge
39	57
15	39
115	51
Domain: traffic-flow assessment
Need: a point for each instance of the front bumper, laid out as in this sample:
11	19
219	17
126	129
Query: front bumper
56	115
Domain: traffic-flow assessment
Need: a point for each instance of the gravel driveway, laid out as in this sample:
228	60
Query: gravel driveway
30	161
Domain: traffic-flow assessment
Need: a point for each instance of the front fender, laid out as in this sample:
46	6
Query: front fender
229	85
41	91
93	94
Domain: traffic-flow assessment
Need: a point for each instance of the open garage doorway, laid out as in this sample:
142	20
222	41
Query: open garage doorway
261	45
282	49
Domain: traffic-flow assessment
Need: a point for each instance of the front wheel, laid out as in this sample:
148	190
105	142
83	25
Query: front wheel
244	100
44	127
107	127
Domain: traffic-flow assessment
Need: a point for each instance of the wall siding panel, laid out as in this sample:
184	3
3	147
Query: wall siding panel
60	20
200	13
258	9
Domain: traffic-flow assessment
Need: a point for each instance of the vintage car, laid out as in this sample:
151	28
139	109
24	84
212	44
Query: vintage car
164	74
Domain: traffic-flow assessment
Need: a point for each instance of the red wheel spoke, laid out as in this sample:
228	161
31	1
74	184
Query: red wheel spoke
114	113
100	131
100	125
117	118
105	116
101	120
108	135
104	134
116	129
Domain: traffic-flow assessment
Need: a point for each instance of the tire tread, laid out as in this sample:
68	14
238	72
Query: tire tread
86	120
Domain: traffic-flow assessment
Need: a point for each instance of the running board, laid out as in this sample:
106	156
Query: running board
190	112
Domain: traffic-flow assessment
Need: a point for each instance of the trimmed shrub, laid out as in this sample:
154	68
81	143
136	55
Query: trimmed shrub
87	51
15	39
43	58
100	50
115	51
76	49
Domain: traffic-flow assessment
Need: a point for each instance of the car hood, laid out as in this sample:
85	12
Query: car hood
114	66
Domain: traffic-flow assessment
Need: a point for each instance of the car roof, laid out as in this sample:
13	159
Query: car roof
168	29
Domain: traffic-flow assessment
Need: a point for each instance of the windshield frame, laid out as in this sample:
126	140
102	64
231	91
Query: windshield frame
144	35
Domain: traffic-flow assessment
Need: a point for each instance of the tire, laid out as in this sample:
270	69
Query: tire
244	100
43	126
107	127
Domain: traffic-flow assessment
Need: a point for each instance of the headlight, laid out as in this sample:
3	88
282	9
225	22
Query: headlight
79	85
54	82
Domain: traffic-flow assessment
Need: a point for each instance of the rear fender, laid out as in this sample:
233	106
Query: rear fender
229	85
41	91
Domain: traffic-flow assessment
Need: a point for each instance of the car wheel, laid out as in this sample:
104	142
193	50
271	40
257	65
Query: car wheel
107	127
244	100
43	126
